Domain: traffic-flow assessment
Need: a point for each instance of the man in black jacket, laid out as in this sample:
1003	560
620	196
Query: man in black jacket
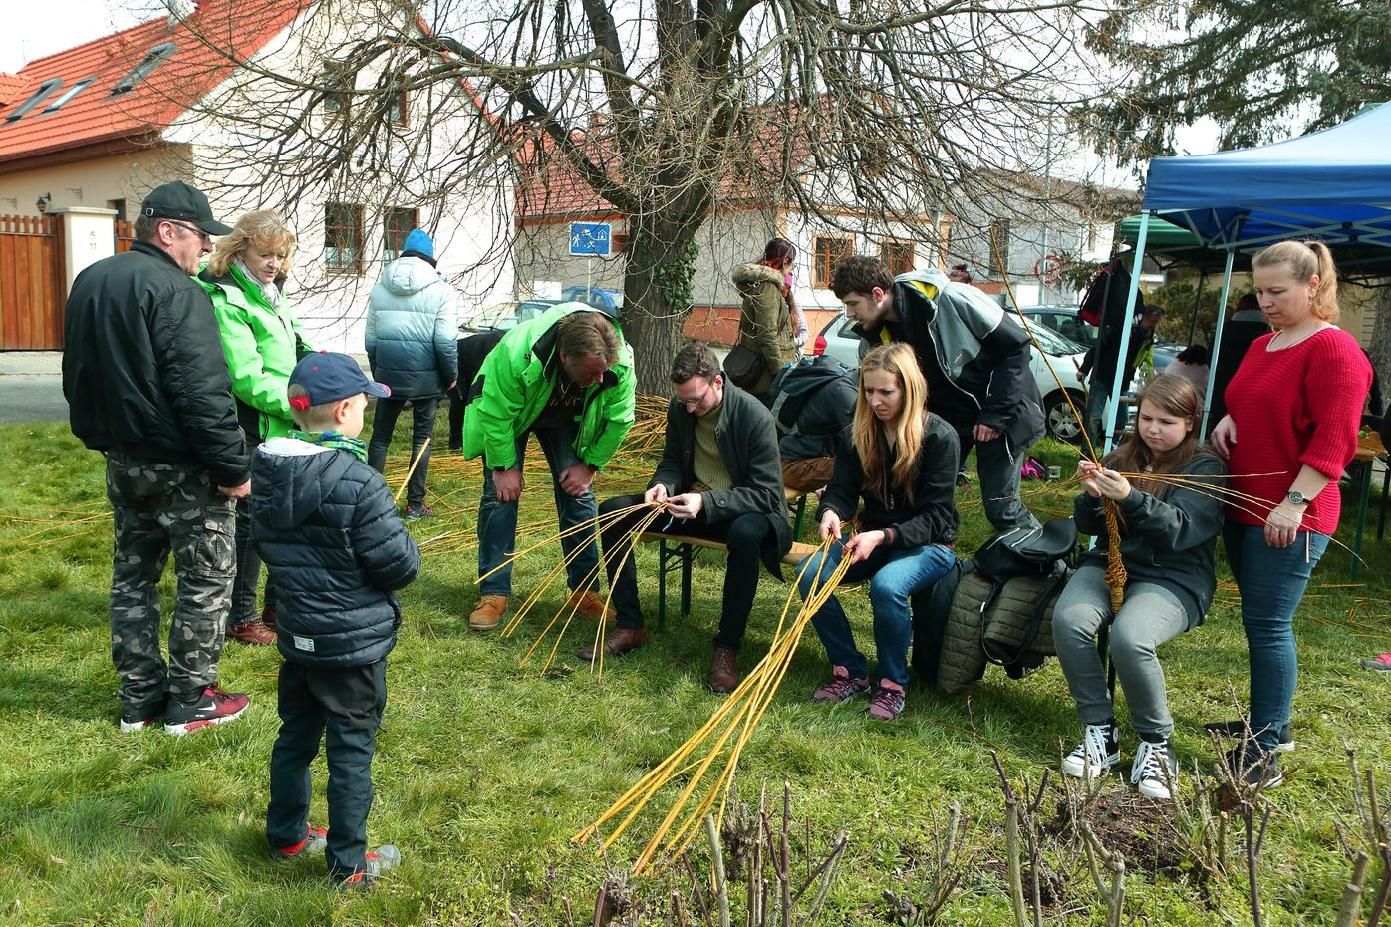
813	404
720	478
147	385
975	359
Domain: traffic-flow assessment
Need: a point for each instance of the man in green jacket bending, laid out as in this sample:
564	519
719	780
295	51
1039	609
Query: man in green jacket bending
567	377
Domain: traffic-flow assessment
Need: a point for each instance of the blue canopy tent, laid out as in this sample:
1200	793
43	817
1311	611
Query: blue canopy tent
1333	185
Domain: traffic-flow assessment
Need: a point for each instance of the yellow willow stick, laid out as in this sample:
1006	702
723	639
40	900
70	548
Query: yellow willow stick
551	576
631	551
419	455
772	673
762	684
587	524
656	778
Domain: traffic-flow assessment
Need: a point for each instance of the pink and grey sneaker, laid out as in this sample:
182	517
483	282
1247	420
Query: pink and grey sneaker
1381	663
212	707
379	860
841	688
886	704
315	839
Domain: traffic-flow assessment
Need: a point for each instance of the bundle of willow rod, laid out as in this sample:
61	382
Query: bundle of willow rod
723	736
1115	568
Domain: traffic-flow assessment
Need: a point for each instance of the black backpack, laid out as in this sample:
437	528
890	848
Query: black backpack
1029	565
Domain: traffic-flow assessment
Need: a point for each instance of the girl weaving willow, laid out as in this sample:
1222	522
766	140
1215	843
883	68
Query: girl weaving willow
1169	530
902	462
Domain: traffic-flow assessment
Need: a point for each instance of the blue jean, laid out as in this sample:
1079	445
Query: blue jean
1272	581
497	521
894	575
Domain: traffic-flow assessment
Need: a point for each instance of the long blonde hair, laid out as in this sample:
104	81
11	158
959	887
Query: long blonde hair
1307	258
1176	396
908	427
264	229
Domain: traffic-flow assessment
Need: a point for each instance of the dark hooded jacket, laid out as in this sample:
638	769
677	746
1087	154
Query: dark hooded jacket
813	403
327	528
975	358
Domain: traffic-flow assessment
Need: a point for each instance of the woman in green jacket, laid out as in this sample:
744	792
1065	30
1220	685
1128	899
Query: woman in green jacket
766	325
262	343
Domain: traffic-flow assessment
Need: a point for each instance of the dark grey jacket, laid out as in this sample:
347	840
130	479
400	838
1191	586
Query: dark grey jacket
813	403
748	444
327	528
143	369
1170	542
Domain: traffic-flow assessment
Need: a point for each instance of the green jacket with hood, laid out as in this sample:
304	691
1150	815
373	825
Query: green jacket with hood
262	344
515	383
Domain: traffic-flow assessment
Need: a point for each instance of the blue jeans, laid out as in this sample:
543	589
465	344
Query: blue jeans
894	575
497	521
1272	581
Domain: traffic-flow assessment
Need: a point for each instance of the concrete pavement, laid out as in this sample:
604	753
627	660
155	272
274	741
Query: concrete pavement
31	387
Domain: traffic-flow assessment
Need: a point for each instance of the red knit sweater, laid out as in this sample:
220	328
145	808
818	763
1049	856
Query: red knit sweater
1301	405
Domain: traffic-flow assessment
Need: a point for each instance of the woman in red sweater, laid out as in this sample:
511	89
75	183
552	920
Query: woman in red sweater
1294	408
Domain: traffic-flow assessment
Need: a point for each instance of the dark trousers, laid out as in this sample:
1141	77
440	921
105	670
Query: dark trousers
422	426
344	708
457	405
248	571
748	537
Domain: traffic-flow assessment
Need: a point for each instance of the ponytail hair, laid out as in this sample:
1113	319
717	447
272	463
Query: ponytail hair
1307	259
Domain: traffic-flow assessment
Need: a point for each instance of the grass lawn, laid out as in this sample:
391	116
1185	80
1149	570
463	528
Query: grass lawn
485	770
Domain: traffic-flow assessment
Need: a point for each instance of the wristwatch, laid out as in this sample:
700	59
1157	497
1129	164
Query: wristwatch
1295	497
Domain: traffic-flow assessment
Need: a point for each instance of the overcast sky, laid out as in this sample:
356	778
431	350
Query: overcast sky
36	28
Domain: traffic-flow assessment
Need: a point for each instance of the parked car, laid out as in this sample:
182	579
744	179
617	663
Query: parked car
609	300
502	316
1063	320
838	340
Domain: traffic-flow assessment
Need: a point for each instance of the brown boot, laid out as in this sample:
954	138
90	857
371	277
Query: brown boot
253	633
590	604
624	640
488	612
724	672
268	616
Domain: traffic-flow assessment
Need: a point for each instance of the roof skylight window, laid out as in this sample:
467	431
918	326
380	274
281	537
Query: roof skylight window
153	59
68	94
45	89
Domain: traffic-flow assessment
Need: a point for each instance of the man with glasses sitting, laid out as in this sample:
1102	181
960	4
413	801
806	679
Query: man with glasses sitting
147	385
720	478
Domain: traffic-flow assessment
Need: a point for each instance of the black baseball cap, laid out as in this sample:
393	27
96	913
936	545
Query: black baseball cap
329	377
178	200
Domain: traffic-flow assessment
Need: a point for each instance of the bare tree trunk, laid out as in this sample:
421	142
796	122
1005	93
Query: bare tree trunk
656	301
1380	346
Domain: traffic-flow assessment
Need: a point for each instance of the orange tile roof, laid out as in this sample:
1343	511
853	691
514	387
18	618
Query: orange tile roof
93	116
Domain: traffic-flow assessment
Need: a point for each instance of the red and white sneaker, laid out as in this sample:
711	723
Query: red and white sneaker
315	839
213	707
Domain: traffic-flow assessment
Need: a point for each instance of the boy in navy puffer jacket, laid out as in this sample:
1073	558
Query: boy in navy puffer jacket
327	529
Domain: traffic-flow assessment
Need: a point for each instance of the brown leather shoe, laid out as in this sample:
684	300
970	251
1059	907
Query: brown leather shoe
724	672
591	605
488	612
268	616
253	633
624	640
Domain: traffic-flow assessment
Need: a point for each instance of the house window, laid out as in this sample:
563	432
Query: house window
338	82
401	112
153	59
68	94
38	96
399	222
997	243
898	256
343	238
828	253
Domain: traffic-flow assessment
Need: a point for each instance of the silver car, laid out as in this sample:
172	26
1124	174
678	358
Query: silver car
839	340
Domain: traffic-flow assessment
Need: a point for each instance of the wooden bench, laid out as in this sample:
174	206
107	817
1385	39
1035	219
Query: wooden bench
678	552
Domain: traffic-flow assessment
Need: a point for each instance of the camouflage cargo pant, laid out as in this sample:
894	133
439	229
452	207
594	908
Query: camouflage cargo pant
162	508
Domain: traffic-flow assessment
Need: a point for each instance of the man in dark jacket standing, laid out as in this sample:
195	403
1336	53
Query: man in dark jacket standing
976	360
719	478
147	385
412	347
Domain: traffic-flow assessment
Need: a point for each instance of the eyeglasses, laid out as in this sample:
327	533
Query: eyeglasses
692	404
192	228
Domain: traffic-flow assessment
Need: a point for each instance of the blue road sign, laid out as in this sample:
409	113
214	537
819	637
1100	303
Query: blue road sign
590	238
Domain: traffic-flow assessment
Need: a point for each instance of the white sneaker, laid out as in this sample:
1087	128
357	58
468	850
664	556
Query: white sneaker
1097	752
1155	772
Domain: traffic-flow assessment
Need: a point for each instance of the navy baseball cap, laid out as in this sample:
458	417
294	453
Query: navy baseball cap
329	377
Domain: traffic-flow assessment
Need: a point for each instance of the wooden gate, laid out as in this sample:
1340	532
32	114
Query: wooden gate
125	235
33	287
